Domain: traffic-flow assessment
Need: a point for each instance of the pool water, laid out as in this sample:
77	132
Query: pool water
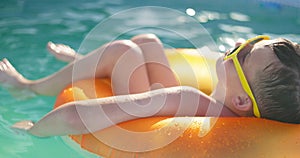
27	25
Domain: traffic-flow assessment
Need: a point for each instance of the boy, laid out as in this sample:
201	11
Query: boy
259	78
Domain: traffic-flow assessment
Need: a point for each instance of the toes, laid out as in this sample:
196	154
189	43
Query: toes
55	48
7	63
51	46
50	43
4	64
3	69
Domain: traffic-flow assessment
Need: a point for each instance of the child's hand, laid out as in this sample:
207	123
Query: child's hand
22	126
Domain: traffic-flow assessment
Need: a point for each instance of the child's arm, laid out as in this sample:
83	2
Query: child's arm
92	115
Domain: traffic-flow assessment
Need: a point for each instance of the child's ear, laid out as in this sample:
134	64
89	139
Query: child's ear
242	103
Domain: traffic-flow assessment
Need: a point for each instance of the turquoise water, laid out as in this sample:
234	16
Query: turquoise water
27	25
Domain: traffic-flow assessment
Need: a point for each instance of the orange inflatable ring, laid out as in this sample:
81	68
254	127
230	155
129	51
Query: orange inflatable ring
182	136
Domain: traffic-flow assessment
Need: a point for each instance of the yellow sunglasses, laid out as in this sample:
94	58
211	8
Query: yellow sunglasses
233	55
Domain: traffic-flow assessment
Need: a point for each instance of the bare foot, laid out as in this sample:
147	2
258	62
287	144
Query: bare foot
9	75
22	125
11	79
62	52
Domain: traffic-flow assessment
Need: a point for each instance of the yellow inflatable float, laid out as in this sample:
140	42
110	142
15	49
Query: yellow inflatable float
184	136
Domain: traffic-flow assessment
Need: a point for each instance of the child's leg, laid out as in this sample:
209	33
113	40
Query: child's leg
158	68
110	60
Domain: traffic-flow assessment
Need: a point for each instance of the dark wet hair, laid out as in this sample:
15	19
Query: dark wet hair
277	87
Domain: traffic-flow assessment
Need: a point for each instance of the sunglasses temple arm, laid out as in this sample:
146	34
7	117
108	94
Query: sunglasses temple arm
246	86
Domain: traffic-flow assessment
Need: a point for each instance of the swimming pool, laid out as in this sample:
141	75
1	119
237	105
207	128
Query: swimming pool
26	27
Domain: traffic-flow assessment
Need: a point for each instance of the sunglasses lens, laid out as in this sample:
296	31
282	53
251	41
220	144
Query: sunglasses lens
232	51
257	40
251	42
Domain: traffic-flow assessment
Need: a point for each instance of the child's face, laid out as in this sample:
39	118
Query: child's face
253	58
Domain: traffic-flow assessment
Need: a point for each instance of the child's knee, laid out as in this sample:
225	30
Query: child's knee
124	46
146	38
